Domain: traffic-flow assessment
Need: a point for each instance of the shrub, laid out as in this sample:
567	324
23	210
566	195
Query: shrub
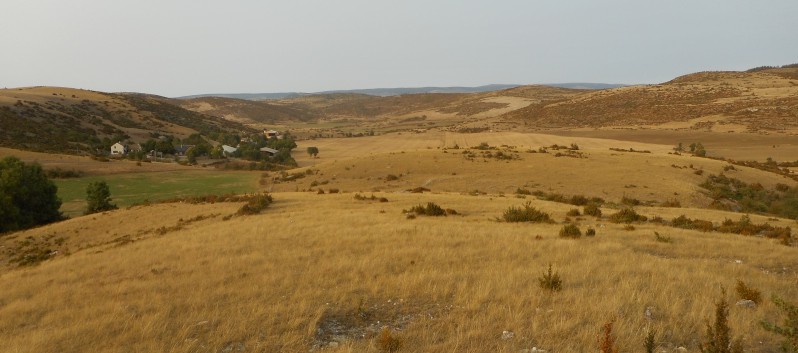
662	238
98	198
521	191
592	209
746	292
570	231
256	204
651	341
550	280
606	340
789	329
630	201
579	200
59	173
718	337
387	341
627	215
590	232
574	212
333	191
431	209
391	177
526	213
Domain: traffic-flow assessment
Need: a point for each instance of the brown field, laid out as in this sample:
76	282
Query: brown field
270	282
326	272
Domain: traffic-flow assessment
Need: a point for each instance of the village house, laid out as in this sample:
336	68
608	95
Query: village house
269	151
228	150
182	149
272	133
118	149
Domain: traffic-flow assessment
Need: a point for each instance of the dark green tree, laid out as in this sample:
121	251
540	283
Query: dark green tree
27	197
313	151
98	198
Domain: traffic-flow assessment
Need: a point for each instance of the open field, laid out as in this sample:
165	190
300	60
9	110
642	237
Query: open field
339	255
313	269
133	188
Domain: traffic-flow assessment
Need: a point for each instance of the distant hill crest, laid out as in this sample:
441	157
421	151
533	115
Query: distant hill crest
388	92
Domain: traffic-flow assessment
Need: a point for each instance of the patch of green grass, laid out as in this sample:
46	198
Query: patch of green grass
129	189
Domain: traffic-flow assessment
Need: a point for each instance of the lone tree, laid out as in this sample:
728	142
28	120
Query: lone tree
98	198
27	197
313	151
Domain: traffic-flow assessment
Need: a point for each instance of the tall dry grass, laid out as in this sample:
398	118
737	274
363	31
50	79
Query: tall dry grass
263	283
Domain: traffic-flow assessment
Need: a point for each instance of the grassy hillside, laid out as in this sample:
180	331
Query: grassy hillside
248	111
322	271
65	120
349	257
764	100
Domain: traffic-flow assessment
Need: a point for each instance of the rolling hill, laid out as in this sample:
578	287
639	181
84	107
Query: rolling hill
64	119
764	100
407	238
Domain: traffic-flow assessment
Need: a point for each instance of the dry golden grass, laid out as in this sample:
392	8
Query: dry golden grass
265	282
649	177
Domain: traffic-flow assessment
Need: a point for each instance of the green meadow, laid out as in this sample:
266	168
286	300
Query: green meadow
129	189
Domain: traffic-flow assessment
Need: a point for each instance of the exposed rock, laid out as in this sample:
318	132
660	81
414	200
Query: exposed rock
745	303
650	313
508	335
681	350
533	350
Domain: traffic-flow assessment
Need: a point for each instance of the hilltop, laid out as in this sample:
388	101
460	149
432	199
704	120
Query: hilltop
380	92
758	101
765	100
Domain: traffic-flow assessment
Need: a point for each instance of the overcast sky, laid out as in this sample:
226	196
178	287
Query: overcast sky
181	47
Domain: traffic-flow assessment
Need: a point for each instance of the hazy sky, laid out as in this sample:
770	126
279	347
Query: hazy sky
180	47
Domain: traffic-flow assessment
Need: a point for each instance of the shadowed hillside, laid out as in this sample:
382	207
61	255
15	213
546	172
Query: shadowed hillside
65	119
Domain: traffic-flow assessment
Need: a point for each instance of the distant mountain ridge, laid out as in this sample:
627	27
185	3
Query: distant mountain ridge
387	92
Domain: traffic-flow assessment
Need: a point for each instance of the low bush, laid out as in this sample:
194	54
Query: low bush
388	342
431	209
59	173
662	238
570	231
592	209
630	201
521	191
550	280
590	232
371	198
627	215
256	204
526	213
748	293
